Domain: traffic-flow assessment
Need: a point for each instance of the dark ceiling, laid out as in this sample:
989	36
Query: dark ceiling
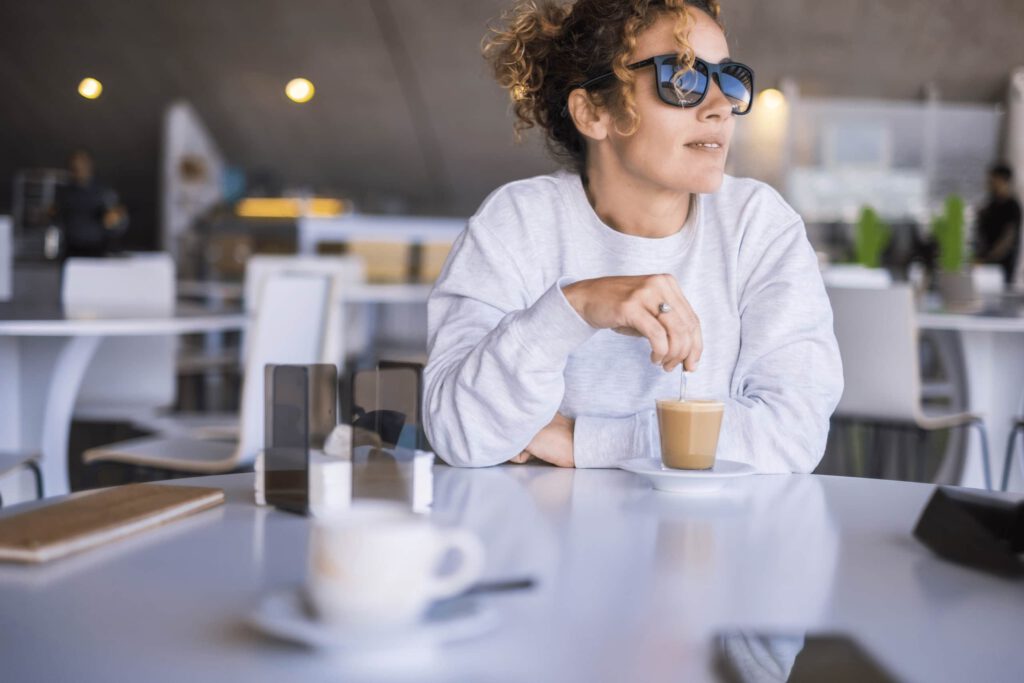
405	114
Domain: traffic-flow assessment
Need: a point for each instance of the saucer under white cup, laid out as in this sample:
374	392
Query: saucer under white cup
285	614
375	567
687	481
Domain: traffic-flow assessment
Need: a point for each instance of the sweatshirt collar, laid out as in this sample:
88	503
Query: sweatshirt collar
651	248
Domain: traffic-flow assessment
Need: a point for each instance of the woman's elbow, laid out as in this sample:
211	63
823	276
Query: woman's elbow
454	448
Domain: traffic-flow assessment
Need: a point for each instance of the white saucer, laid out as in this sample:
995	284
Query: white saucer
285	615
687	481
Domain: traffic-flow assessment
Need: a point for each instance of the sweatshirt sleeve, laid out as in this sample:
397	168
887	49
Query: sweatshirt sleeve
494	377
788	376
606	441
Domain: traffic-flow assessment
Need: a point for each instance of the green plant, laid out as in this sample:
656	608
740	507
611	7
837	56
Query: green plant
948	229
871	238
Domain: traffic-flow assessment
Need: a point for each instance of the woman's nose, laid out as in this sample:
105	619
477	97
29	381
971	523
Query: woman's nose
715	104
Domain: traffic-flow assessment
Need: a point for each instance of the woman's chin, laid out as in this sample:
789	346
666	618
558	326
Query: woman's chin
703	183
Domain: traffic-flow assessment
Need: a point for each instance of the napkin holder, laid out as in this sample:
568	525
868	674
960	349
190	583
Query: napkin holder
981	531
310	464
300	411
390	454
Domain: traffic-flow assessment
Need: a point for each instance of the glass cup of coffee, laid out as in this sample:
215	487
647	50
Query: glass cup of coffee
689	432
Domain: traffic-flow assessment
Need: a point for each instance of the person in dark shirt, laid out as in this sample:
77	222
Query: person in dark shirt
999	223
89	213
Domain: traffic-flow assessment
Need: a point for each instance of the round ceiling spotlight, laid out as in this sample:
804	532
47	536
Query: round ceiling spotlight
90	88
772	99
299	90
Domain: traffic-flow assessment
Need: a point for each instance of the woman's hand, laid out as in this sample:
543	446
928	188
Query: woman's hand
552	444
630	305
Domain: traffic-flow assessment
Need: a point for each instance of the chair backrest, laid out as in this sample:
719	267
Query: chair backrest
288	328
127	375
346	329
855	275
388	400
136	284
877	334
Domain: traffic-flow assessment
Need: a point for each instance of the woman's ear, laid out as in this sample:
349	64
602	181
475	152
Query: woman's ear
592	121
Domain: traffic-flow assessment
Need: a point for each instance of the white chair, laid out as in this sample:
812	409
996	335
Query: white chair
130	377
1018	428
342	332
12	462
345	331
878	340
288	328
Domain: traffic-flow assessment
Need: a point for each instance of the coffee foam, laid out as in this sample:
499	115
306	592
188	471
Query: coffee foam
690	406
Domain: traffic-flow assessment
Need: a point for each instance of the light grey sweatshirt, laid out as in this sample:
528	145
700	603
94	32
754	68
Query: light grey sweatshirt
507	350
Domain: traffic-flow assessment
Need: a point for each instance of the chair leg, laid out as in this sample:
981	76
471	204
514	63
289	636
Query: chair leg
919	437
983	433
1008	461
915	460
34	466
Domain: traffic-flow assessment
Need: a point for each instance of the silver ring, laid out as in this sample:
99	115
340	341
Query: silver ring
664	308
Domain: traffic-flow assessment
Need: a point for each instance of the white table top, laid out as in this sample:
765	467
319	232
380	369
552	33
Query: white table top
632	585
56	323
371	293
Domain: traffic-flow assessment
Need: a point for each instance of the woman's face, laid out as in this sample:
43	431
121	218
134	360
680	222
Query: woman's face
663	152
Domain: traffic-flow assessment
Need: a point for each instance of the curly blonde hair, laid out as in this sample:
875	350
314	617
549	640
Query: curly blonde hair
546	48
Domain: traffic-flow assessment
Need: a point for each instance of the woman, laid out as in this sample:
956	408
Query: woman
573	301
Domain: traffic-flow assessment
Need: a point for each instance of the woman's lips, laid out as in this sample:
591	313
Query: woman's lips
706	146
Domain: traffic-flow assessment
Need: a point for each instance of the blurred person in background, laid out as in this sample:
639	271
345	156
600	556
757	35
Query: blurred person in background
573	301
89	214
998	234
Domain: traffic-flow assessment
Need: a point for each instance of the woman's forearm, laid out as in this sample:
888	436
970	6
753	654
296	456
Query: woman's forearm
484	402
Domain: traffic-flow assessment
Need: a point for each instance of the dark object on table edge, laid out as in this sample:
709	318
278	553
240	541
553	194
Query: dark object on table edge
981	531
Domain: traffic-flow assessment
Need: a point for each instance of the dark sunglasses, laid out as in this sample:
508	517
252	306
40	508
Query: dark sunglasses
688	88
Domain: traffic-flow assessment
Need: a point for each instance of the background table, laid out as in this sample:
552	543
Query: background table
43	357
633	585
993	349
366	293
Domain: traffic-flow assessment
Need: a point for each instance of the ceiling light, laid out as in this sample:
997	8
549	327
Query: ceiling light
299	90
90	88
771	99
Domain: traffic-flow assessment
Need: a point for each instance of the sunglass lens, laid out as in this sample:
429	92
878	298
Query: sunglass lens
683	88
737	84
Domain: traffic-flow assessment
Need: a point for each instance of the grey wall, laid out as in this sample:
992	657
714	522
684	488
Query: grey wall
405	114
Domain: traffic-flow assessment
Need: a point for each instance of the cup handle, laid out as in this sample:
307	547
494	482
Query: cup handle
471	563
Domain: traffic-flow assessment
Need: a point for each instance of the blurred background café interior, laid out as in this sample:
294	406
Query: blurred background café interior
162	157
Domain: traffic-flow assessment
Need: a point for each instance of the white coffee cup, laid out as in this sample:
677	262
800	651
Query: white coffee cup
376	566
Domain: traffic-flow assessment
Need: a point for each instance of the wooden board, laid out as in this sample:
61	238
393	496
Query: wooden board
89	520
